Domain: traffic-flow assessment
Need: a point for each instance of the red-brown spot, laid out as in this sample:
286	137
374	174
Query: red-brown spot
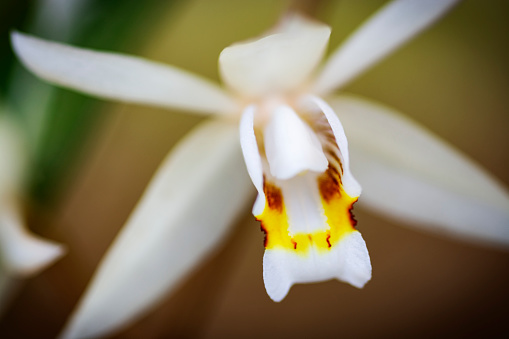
353	221
341	166
333	171
265	233
335	157
328	240
328	185
330	137
274	196
332	152
294	244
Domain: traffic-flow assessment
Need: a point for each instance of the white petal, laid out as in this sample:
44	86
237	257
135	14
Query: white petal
23	254
410	174
291	146
252	156
393	25
120	77
348	261
183	215
279	61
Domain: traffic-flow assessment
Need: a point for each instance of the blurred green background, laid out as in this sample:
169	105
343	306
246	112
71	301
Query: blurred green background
92	159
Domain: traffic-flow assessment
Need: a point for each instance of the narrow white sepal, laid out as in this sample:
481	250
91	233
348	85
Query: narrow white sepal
251	155
120	77
291	146
412	175
389	28
182	217
347	261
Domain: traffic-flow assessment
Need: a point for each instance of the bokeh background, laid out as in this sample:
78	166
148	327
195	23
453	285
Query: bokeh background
93	159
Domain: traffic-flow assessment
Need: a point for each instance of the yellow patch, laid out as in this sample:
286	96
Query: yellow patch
337	206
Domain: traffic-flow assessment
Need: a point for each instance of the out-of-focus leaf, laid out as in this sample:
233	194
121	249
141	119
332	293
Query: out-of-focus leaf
12	13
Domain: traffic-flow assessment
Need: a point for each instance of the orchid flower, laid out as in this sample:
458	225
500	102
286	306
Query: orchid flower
278	100
22	254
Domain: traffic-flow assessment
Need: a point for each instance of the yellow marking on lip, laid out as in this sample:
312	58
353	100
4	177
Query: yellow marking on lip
337	207
274	220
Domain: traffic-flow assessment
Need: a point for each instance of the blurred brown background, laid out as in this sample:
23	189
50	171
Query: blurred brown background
453	79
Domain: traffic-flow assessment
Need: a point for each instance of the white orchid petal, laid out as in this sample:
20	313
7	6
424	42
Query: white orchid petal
388	29
184	214
120	77
291	146
22	253
279	61
410	174
252	156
